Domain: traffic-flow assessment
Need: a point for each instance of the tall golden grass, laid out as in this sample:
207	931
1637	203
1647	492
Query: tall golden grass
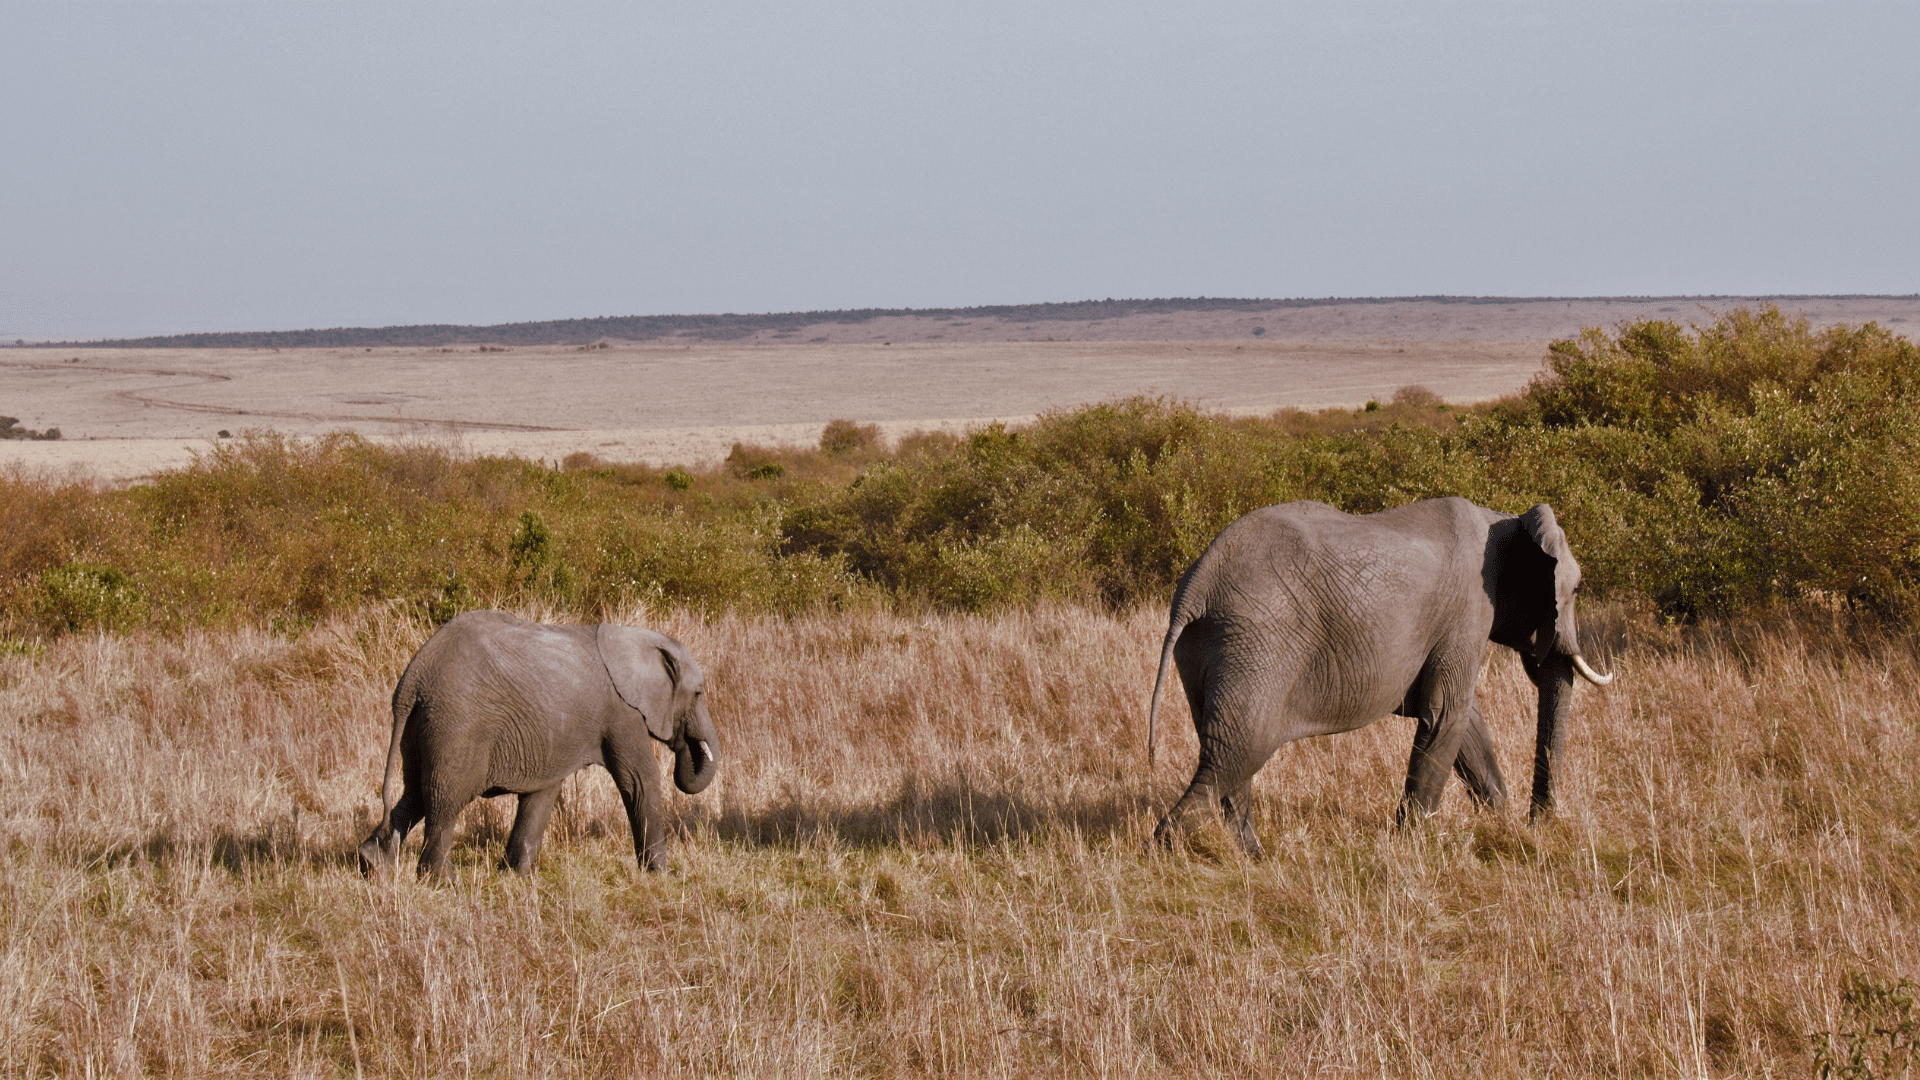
927	854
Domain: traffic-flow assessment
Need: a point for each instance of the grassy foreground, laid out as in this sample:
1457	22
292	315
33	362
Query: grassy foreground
925	855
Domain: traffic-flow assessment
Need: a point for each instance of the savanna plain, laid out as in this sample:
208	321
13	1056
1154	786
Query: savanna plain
928	849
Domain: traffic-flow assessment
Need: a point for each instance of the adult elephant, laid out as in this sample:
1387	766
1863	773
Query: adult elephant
1302	620
496	705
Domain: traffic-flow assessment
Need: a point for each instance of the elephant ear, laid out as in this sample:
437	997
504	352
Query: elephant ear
1556	619
644	672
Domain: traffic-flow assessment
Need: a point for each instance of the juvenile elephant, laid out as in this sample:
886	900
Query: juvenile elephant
495	705
1301	620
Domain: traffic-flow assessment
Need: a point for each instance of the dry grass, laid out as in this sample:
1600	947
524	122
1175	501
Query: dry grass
926	855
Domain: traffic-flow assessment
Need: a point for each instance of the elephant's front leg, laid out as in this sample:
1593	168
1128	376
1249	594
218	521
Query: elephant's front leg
637	775
529	827
1477	766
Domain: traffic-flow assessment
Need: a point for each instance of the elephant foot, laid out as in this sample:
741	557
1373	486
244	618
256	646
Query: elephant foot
1238	815
1174	826
1249	840
1168	832
1412	813
1494	803
374	857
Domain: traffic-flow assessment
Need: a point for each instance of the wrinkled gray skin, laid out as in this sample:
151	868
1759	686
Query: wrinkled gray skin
1301	620
495	705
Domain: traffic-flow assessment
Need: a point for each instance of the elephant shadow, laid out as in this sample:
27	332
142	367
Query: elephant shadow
917	814
236	852
923	814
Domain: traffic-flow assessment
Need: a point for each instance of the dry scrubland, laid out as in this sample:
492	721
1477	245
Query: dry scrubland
926	855
929	664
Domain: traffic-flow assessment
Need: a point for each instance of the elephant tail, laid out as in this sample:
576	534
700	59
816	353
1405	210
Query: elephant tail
405	696
1176	625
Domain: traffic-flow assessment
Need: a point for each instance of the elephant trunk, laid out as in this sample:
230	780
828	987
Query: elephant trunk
695	760
1554	678
1565	639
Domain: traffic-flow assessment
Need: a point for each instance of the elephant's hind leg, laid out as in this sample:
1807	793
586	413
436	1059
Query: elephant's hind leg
1237	808
436	854
1198	797
1234	798
382	849
1224	779
529	828
1234	744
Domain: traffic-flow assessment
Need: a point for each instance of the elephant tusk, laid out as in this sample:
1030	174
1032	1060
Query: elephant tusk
1587	673
708	754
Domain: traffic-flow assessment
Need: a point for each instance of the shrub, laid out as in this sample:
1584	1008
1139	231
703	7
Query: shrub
1746	462
1122	496
1417	397
533	552
744	458
9	429
83	597
845	436
1708	471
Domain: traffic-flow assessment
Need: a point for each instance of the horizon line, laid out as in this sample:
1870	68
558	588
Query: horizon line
738	324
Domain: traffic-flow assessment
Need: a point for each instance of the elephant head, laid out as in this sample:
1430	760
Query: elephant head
1532	576
656	675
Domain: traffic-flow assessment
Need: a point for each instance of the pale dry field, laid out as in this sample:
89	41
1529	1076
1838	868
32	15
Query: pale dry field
127	413
926	855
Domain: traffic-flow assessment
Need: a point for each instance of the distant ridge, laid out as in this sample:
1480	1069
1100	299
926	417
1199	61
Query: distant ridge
726	327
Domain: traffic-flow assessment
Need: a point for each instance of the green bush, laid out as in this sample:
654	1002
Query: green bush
534	554
1708	471
1743	463
81	597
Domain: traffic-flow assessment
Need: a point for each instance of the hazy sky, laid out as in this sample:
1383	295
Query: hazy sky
171	167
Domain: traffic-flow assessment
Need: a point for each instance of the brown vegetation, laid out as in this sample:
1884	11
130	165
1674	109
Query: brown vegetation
926	856
10	429
927	850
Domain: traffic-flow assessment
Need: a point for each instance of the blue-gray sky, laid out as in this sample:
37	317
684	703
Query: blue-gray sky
171	167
